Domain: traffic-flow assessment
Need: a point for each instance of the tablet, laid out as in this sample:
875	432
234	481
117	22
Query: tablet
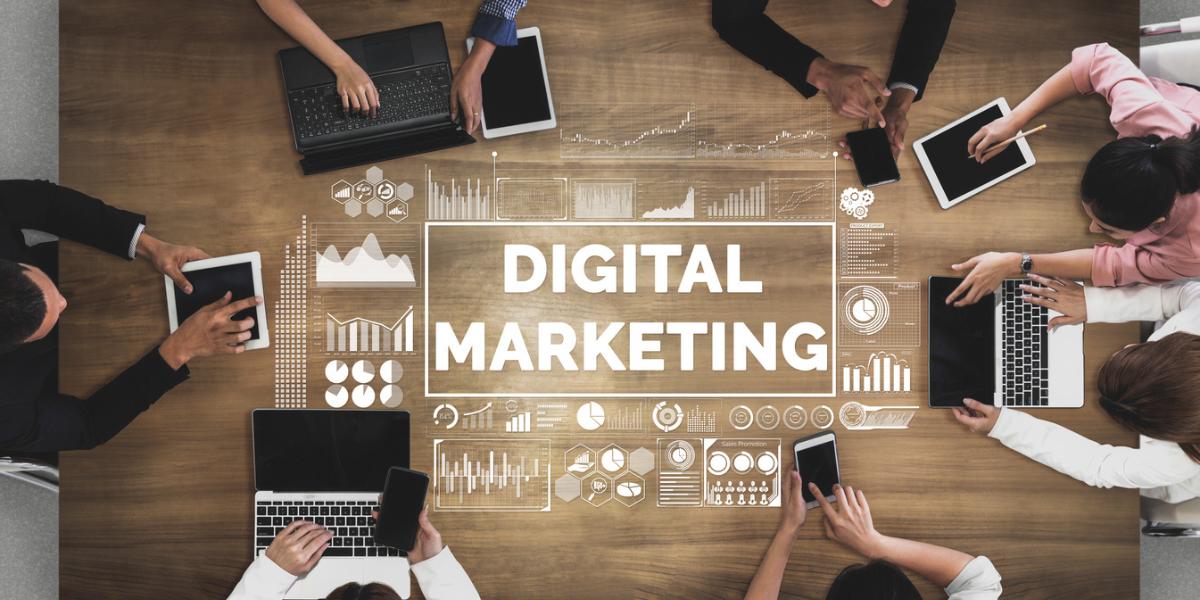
956	176
211	278
516	90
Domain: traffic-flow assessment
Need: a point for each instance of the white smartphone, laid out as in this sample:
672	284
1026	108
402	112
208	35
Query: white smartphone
817	462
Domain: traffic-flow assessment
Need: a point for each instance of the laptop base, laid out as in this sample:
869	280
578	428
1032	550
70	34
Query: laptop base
361	154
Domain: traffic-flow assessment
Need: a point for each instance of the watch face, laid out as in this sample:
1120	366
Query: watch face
1027	263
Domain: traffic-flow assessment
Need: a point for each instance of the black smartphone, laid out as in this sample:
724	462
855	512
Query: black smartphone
403	499
817	462
872	157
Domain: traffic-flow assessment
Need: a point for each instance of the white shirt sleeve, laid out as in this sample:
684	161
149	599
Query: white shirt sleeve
134	240
264	580
979	580
1143	302
440	577
1156	463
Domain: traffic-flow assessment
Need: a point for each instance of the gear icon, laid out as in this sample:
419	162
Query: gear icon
854	202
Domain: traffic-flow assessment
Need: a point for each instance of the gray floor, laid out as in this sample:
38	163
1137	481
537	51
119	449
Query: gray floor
29	128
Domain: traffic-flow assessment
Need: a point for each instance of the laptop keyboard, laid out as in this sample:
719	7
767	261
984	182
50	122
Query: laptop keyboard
1025	346
349	521
403	96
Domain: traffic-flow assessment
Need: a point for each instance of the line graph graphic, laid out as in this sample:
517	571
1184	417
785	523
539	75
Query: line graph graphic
364	335
491	474
799	199
677	203
740	132
603	198
628	131
531	199
464	200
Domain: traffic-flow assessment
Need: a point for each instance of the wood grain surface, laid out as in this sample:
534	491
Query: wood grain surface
176	110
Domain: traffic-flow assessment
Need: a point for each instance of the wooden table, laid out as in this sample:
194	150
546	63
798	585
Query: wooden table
176	110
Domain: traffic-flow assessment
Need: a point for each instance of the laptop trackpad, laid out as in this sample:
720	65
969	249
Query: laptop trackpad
332	573
388	52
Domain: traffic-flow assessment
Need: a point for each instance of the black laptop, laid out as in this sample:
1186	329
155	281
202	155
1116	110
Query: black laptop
411	70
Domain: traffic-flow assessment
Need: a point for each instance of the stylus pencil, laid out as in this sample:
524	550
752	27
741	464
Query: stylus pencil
1012	139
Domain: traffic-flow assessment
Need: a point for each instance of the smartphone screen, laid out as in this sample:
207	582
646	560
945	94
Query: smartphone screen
403	499
872	156
818	464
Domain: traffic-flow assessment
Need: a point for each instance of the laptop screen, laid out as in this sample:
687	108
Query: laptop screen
300	450
962	362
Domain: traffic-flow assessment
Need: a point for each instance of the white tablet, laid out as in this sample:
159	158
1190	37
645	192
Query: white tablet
516	90
211	278
954	175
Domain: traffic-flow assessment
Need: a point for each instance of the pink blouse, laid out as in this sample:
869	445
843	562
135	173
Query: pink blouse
1142	106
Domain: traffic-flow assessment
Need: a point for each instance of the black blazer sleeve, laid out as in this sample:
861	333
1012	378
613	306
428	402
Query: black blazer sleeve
744	25
921	39
60	422
68	214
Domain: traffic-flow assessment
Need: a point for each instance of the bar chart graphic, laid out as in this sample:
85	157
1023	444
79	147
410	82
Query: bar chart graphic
491	474
626	418
603	198
519	423
459	200
884	372
364	335
748	202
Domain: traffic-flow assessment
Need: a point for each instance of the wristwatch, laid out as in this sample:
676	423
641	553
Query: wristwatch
1026	263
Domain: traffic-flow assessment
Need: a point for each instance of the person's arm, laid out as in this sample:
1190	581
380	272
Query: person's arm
987	271
291	555
1154	464
979	580
495	25
71	215
1057	88
769	576
744	25
851	524
353	84
926	25
1138	108
438	573
1130	263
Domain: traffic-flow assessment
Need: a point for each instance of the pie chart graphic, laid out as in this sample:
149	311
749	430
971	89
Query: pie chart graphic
363	371
336	371
391	396
680	455
363	396
612	460
590	416
336	396
391	371
865	309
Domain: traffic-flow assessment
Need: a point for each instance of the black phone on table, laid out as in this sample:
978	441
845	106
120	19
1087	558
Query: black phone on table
873	156
403	498
817	462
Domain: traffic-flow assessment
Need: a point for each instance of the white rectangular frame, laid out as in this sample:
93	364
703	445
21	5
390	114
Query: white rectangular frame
812	441
255	260
552	122
927	167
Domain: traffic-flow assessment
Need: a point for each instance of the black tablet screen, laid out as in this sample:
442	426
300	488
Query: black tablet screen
210	284
514	91
961	347
959	173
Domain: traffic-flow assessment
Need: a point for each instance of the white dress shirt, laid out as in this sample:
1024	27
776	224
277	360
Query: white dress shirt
439	576
1160	469
979	580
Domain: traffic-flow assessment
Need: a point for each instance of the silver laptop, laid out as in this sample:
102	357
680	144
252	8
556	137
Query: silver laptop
328	467
1001	350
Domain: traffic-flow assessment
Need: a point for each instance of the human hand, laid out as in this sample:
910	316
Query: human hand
795	510
356	89
467	90
299	546
895	114
1066	297
210	330
987	271
987	139
851	89
429	540
850	523
169	258
977	416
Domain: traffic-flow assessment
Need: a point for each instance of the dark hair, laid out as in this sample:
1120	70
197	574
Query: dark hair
1152	388
1133	181
876	580
22	305
371	591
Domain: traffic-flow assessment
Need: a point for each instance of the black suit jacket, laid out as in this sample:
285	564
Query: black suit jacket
34	417
744	25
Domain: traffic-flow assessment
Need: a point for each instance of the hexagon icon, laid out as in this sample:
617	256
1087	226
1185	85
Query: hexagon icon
405	191
567	488
375	207
629	489
579	460
374	175
353	209
613	459
341	191
385	190
641	461
597	490
397	211
364	192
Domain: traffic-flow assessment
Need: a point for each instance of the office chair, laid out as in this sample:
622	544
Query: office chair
1174	61
30	470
